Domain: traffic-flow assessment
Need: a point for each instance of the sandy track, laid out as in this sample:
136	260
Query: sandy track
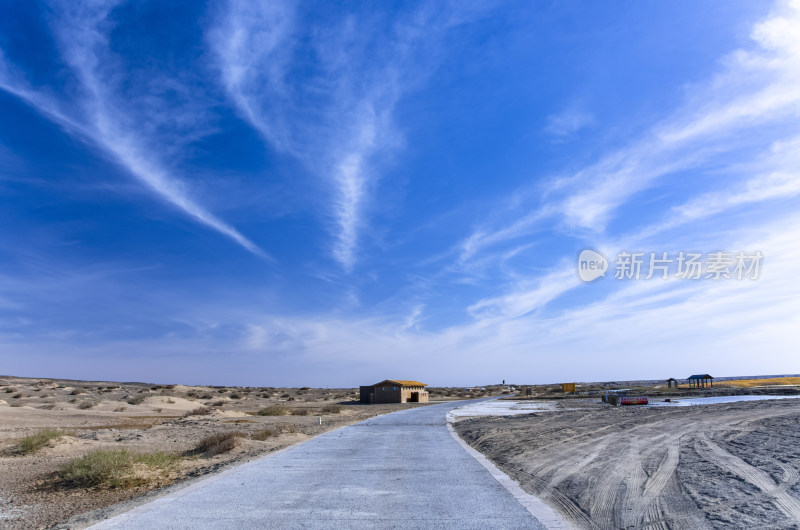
706	466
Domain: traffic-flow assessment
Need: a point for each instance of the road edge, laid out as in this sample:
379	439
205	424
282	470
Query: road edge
535	506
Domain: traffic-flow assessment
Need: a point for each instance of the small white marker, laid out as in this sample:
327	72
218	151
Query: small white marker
320	420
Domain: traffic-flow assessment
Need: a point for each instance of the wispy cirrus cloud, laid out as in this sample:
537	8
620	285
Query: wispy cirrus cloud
130	127
752	103
568	122
338	117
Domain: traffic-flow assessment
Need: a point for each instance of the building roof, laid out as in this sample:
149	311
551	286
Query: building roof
700	376
401	382
671	379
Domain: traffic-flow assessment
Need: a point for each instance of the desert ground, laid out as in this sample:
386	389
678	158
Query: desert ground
48	425
733	465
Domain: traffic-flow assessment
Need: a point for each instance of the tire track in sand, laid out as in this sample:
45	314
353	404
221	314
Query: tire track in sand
715	454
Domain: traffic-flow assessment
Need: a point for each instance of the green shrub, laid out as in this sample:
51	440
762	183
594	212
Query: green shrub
31	444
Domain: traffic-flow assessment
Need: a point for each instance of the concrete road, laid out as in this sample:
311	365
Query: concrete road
401	470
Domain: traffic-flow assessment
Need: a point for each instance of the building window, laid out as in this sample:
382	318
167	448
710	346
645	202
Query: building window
394	388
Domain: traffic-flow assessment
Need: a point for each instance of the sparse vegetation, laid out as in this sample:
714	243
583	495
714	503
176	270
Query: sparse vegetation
120	409
16	396
31	444
113	467
332	408
78	391
87	404
236	395
273	410
200	411
135	400
218	443
300	412
261	435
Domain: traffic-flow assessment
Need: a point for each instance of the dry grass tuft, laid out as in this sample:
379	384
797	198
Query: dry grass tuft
113	467
31	444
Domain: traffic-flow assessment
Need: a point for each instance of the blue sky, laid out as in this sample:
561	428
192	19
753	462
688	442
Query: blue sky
329	194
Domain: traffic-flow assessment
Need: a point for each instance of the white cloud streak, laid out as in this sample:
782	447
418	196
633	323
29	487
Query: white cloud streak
100	119
754	100
339	119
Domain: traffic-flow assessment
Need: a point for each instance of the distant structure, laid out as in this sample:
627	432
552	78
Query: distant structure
567	387
395	391
701	381
672	382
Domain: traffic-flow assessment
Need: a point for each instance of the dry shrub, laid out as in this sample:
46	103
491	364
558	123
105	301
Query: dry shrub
273	410
300	412
218	443
236	395
261	435
218	403
135	400
200	411
87	404
120	409
333	408
16	396
78	391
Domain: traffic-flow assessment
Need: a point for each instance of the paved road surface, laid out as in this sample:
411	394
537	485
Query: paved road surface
401	470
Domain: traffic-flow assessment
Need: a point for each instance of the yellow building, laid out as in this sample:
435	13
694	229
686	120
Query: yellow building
395	391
